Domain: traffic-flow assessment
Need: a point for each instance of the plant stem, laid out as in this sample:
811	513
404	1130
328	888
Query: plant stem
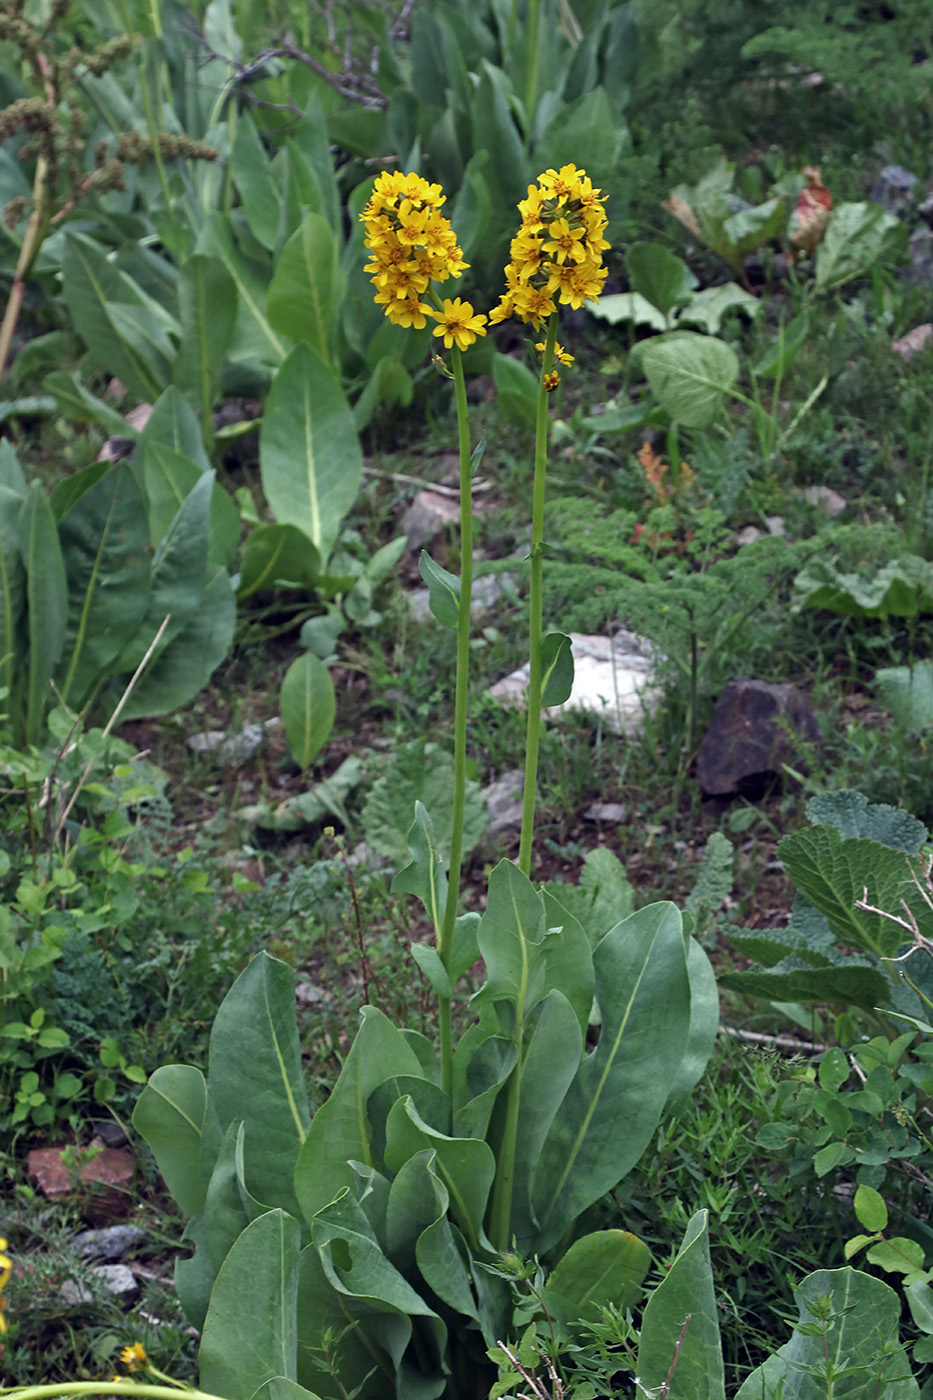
460	709
533	730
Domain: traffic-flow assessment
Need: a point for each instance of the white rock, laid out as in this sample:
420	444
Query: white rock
612	679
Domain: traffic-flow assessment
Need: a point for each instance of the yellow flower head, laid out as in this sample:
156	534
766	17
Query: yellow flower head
6	1270
557	254
134	1357
458	325
410	243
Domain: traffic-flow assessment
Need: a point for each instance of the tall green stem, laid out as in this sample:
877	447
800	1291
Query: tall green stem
533	731
460	708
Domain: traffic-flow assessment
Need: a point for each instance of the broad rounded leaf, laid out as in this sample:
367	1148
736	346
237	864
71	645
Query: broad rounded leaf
690	375
308	707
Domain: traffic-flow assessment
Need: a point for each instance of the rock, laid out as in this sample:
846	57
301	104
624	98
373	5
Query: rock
914	340
828	501
919	271
232	749
755	729
111	1168
116	1278
894	188
612	680
925	210
504	801
112	1242
774	524
310	995
748	535
605	812
428	516
110	1133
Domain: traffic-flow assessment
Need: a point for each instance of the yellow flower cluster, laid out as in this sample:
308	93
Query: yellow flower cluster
6	1271
411	245
134	1357
557	254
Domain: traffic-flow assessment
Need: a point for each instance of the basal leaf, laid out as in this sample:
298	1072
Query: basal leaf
309	452
690	375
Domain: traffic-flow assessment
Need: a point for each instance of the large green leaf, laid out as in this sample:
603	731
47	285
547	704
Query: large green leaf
309	451
684	1306
277	556
858	237
308	707
465	1165
307	287
419	772
833	874
704	1023
254	338
863	1340
257	1281
908	693
708	307
169	1114
178	576
658	275
12	592
104	542
46	603
207	305
174	424
850	812
601	1270
92	286
340	1131
255	178
616	1098
551	1053
690	375
11	473
257	1076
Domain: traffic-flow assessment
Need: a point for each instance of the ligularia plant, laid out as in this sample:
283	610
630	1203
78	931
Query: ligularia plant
374	1248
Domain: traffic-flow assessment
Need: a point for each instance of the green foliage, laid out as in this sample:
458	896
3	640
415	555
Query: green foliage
418	772
409	1191
854	868
86	604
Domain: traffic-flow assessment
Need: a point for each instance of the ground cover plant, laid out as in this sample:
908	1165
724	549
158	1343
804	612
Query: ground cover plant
477	1190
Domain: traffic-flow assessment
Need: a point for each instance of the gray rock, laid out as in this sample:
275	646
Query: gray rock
775	525
894	188
429	514
110	1133
504	801
748	535
919	271
116	1278
232	749
914	340
605	812
111	1242
756	728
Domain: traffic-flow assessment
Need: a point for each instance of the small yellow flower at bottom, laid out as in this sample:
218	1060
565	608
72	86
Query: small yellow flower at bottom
134	1357
458	325
6	1269
551	381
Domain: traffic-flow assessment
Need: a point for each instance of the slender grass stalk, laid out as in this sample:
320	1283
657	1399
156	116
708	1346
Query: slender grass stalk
460	707
533	730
